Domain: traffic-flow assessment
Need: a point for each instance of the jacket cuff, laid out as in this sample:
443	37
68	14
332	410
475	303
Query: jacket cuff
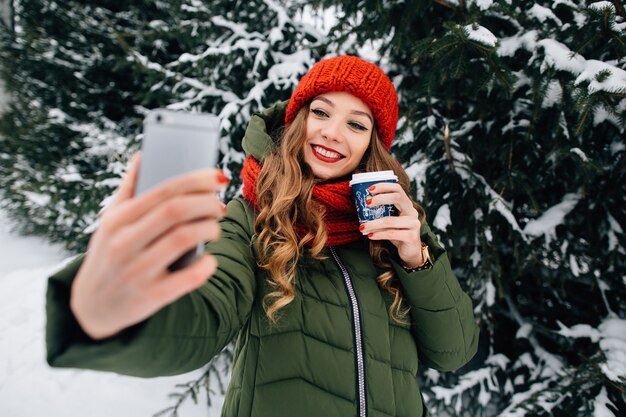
67	345
432	289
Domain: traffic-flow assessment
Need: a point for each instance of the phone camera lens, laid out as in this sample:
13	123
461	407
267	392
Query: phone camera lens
159	118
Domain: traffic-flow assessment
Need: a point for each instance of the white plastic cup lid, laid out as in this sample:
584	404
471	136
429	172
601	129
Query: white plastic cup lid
373	176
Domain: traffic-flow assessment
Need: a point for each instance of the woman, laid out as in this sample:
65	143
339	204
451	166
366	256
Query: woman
329	317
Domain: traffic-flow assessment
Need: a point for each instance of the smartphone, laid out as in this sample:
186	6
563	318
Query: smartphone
175	143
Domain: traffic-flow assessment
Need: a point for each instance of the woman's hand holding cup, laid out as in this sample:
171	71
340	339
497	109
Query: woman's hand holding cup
401	226
124	277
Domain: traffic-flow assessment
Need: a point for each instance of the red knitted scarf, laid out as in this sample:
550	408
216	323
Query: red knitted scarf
341	217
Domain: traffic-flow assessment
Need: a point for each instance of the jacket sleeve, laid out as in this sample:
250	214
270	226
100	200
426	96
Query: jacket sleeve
442	316
180	337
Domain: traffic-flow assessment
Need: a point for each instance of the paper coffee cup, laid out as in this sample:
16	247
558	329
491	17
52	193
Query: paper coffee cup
360	183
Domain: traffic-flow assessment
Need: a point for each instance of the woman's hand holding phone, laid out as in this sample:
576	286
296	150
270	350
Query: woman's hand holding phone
124	277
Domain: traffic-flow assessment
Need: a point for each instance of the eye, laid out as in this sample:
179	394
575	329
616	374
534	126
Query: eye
319	112
357	126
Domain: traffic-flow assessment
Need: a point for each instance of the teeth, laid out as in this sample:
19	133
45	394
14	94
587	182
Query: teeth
326	153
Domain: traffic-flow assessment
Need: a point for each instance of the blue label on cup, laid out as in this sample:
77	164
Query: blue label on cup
367	213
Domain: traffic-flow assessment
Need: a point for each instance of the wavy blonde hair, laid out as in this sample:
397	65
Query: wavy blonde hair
284	190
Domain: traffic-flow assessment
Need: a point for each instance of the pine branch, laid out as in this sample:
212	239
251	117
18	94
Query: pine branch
444	3
583	119
435	52
593	38
190	390
619	7
446	142
118	37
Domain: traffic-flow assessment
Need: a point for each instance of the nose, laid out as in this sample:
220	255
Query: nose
332	131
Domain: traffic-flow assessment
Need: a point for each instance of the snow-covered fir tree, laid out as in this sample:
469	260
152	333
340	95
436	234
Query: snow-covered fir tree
513	115
82	75
513	127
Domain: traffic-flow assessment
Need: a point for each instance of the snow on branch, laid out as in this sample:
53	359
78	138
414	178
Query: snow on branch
203	89
613	344
497	203
546	224
600	6
481	35
543	14
560	57
483	378
602	77
578	331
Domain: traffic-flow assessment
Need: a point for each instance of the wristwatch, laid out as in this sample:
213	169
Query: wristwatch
427	264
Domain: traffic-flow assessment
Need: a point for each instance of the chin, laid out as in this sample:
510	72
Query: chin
326	175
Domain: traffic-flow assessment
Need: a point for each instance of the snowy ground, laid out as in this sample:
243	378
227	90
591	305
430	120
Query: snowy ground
28	386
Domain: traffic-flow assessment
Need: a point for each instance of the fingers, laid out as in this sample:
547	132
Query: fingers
390	193
130	210
126	189
174	285
153	261
175	211
391	223
395	236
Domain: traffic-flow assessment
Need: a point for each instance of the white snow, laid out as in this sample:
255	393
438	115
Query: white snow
552	217
600	408
582	155
611	336
578	331
560	57
523	331
36	199
28	386
417	172
488	234
613	82
601	76
601	5
543	13
613	232
290	67
601	115
508	46
442	218
490	293
613	344
554	94
484	4
481	35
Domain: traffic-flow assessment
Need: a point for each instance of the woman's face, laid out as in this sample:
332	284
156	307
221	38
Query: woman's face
338	132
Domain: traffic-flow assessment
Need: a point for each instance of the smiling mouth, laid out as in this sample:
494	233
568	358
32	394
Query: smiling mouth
326	155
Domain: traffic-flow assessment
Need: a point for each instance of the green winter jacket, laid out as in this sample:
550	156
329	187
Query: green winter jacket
334	352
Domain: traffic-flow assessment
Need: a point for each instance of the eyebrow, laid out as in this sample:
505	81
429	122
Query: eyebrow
356	112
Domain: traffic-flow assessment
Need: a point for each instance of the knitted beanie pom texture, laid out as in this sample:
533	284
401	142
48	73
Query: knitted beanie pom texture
357	77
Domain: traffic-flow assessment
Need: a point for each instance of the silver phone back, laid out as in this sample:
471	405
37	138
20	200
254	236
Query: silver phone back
176	143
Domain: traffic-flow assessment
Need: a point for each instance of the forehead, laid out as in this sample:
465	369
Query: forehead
344	99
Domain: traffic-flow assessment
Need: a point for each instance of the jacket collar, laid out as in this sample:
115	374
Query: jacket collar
262	131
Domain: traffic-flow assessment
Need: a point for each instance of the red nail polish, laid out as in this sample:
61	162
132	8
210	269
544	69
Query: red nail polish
371	188
222	178
370	235
361	227
368	200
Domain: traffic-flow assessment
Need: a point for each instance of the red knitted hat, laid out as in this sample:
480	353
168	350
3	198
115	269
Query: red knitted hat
357	77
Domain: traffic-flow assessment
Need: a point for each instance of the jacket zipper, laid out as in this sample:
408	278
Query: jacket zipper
358	335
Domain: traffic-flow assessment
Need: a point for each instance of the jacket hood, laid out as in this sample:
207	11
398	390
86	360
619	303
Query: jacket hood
262	131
